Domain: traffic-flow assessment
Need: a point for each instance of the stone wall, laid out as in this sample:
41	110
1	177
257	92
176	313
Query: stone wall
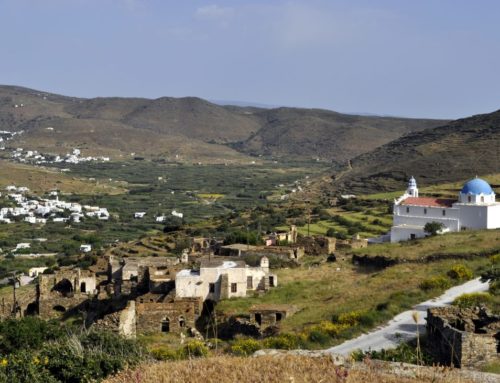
463	337
156	317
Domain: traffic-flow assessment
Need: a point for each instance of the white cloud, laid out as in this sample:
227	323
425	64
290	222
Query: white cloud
214	12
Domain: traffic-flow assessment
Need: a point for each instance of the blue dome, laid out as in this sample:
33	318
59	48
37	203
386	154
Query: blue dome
477	186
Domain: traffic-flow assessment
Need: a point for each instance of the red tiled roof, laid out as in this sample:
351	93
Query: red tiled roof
428	201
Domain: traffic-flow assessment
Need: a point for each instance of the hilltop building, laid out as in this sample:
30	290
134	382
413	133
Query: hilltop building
475	208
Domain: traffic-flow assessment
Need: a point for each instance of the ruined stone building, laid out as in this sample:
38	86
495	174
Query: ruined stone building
220	279
140	294
282	237
287	253
463	337
64	290
267	315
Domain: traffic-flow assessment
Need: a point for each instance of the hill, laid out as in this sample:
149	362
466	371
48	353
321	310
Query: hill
458	150
190	129
325	134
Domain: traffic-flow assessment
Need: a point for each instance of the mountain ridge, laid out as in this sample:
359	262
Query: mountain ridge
195	127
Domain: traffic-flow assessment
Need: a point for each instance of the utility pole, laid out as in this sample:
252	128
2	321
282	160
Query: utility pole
308	218
14	280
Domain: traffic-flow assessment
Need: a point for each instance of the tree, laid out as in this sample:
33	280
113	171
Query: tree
432	228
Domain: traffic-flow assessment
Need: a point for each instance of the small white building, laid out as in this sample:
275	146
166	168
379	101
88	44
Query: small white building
177	214
139	214
35	271
23	245
160	218
475	208
85	248
220	279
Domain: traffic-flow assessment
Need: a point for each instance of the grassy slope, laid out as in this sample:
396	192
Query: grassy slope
443	246
322	292
42	180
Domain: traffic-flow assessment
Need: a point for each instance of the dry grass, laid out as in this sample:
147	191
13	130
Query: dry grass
269	369
453	244
42	180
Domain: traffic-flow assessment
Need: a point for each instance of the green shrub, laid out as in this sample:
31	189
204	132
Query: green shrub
404	353
23	367
437	282
89	357
460	272
245	347
351	318
319	336
285	341
495	287
27	333
472	300
194	348
164	353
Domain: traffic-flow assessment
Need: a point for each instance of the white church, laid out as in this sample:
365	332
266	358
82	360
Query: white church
475	208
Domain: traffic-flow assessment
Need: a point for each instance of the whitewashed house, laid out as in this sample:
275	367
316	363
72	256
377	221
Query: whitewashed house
219	279
85	248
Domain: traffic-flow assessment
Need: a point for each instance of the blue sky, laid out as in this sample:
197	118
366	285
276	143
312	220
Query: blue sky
425	58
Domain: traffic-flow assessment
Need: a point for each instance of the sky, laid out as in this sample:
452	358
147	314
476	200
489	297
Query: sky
426	58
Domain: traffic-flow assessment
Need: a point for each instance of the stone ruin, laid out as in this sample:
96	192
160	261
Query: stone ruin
127	295
466	338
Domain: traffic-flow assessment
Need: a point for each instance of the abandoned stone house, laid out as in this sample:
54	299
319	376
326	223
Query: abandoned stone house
282	237
56	293
287	253
133	275
268	315
463	337
138	295
220	279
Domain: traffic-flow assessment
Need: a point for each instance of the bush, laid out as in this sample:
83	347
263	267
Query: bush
350	319
330	232
27	333
404	353
318	336
194	348
437	282
460	272
89	357
472	300
495	287
285	341
163	353
22	367
432	228
245	347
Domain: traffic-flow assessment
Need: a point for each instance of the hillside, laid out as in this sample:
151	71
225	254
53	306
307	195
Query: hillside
325	134
459	150
190	129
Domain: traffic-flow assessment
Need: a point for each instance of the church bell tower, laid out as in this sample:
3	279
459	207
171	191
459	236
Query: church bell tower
412	190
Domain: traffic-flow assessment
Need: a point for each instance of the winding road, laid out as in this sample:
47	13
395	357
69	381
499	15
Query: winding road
402	327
